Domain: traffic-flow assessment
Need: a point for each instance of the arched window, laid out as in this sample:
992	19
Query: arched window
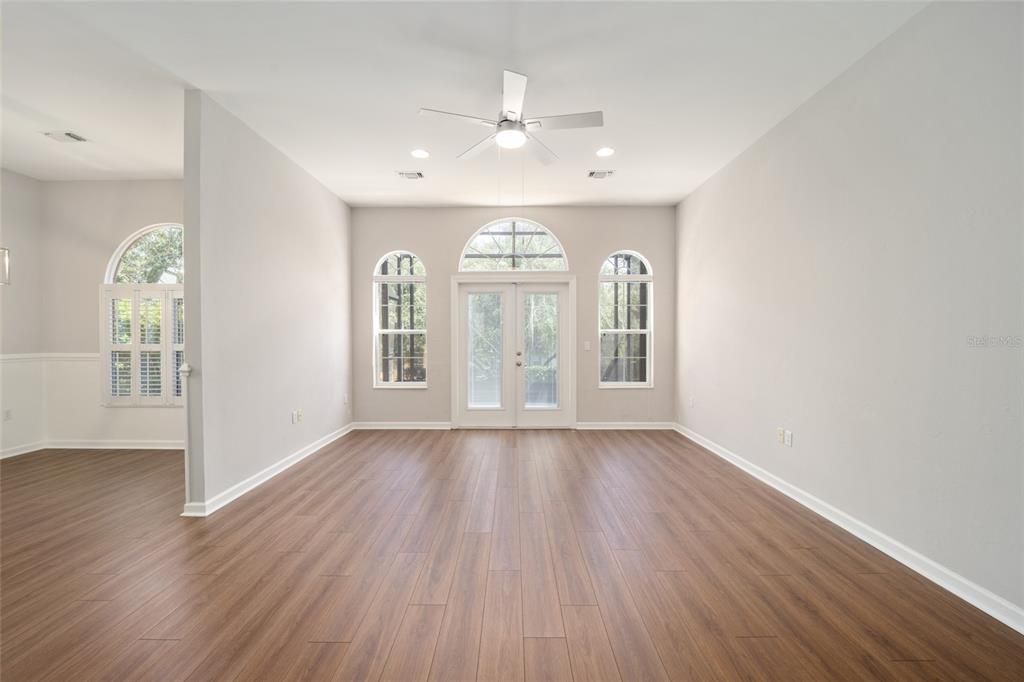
400	321
153	256
513	244
625	321
142	319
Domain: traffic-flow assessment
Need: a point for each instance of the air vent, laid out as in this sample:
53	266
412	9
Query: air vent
64	136
600	174
411	175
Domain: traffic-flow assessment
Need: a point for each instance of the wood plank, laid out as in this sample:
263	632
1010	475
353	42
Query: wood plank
590	653
458	644
316	661
505	538
436	577
371	645
686	651
410	657
574	585
542	616
501	642
635	653
546	659
481	511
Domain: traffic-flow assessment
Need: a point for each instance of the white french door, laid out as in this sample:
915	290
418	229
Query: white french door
513	355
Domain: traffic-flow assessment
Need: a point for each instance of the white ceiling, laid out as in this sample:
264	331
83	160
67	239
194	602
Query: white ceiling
685	87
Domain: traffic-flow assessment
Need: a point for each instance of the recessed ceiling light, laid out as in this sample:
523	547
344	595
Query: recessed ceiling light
420	154
605	151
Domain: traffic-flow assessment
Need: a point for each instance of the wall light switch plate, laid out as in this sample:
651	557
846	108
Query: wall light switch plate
789	438
586	346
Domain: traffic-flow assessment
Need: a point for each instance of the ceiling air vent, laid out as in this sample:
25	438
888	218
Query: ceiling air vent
64	136
410	175
600	174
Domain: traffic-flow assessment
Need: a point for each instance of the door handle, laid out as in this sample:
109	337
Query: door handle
519	364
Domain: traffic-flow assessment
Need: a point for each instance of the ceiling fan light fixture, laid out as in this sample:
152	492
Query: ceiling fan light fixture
420	154
510	135
605	152
512	130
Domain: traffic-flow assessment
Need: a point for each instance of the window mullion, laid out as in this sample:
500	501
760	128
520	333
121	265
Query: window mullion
136	349
167	352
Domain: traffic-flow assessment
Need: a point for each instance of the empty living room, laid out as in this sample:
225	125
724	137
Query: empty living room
496	340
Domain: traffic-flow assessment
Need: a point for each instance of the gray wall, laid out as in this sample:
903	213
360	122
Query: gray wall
85	223
588	235
268	326
21	231
831	279
69	232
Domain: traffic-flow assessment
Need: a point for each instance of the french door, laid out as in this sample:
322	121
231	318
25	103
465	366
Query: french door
513	356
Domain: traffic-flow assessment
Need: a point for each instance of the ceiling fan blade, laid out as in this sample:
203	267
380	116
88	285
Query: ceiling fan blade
541	151
590	119
476	148
464	117
513	92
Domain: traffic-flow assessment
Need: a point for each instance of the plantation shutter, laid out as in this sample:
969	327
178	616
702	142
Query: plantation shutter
142	344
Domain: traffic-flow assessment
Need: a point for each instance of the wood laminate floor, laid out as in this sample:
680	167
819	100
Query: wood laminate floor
498	555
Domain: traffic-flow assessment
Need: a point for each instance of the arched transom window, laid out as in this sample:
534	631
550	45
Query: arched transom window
142	319
155	256
625	320
400	321
513	244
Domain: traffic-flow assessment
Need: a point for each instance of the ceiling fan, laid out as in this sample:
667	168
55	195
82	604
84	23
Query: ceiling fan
511	130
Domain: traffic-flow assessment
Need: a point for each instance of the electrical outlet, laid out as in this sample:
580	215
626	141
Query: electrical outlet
693	401
780	435
344	399
299	413
8	415
586	346
788	438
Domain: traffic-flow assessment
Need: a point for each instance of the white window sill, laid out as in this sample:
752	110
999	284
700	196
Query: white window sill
625	384
413	385
144	406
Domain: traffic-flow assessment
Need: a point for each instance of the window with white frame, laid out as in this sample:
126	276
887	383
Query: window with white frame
400	321
624	319
142	319
513	244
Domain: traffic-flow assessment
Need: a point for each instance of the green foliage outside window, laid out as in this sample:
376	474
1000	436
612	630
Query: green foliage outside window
156	257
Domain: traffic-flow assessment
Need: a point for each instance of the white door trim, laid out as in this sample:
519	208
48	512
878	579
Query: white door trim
511	278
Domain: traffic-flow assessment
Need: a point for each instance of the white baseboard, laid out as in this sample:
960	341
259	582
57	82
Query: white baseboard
117	444
92	445
626	426
22	449
234	492
989	602
364	426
